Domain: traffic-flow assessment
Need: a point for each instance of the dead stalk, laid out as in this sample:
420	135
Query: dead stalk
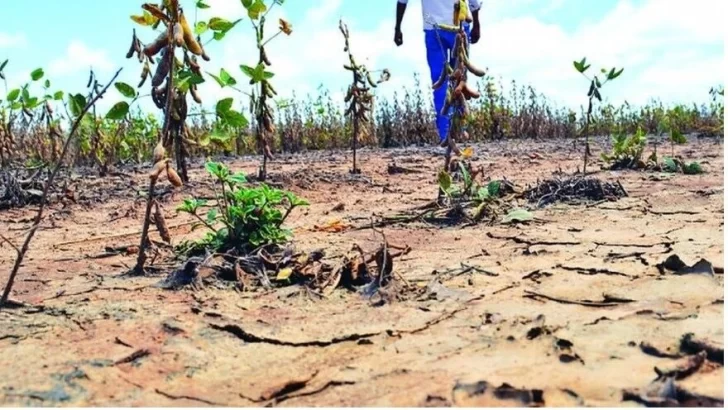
46	189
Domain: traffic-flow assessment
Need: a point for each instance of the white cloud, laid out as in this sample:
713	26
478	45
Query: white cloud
664	45
12	40
80	58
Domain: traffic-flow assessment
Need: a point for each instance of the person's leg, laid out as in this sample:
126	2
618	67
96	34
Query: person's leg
438	50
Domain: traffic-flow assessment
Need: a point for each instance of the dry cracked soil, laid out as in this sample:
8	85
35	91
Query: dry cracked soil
569	310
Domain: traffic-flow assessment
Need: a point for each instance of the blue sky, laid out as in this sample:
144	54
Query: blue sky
672	50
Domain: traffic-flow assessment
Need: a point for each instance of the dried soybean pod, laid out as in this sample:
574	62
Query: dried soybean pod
158	152
464	105
443	75
145	74
195	96
132	46
161	223
192	64
159	167
162	69
157	45
173	177
178	35
446	107
470	93
264	56
189	39
473	69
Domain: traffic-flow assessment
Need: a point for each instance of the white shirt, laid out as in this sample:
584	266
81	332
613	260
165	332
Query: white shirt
440	11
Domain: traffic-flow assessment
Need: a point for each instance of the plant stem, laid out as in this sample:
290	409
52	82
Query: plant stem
142	256
46	189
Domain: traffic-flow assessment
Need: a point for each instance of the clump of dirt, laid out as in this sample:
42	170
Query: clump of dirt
574	189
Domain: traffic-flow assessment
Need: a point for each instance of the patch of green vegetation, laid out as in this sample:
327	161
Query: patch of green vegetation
243	218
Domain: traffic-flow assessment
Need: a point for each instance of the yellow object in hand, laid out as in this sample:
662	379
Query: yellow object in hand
463	11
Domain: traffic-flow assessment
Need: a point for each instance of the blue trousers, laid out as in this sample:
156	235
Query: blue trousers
439	45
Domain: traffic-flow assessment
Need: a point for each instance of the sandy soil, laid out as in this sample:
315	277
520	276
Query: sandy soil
85	334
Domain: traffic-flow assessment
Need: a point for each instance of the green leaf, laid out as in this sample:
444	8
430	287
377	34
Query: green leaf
211	216
494	188
235	119
248	70
238	178
218	170
202	5
444	180
58	96
125	89
614	74
118	111
693	169
32	102
677	137
670	164
37	74
47	83
13	95
224	79
224	105
246	3
517	215
2	66
201	27
256	9
77	103
227	78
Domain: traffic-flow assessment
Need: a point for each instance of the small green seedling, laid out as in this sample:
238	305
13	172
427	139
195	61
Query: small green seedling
243	218
595	86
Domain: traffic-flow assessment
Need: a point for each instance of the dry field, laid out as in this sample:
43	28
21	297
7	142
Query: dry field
572	309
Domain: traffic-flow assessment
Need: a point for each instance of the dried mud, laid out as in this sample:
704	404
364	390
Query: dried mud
574	309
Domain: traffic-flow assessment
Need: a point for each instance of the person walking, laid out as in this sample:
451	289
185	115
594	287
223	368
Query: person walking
439	44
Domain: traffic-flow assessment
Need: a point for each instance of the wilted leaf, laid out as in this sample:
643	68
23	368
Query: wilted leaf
332	227
467	152
518	215
444	180
285	26
284	274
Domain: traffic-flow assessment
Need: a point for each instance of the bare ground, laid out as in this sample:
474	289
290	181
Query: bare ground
84	334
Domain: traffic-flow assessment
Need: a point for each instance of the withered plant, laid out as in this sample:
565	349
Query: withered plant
260	75
82	106
359	96
173	79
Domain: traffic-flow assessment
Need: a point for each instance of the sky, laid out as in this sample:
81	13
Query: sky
672	50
